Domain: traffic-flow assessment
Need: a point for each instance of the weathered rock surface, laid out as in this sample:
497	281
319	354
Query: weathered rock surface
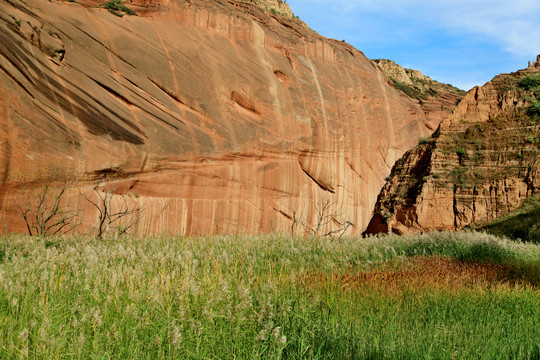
216	116
483	162
435	98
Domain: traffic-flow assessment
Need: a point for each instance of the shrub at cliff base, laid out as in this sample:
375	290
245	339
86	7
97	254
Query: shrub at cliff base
522	224
439	296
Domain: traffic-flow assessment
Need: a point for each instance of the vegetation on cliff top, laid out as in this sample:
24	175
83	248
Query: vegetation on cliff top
443	295
413	83
274	6
510	140
117	8
532	84
413	92
470	155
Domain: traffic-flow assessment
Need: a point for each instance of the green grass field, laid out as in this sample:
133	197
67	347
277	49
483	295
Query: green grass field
439	296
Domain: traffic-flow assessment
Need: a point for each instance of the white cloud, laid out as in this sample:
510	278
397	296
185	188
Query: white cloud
463	42
514	25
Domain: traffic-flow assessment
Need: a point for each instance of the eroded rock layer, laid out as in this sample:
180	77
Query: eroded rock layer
482	163
216	116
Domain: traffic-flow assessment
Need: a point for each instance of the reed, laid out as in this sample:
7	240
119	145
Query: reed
443	295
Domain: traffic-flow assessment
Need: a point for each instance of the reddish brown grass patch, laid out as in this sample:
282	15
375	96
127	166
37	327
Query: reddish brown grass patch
421	273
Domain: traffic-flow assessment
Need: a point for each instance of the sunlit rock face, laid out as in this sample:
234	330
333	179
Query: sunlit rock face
482	163
215	116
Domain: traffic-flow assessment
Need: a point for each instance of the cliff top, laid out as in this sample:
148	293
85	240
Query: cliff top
274	6
481	164
143	7
413	83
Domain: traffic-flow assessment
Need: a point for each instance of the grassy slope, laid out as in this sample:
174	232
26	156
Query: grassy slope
523	223
444	295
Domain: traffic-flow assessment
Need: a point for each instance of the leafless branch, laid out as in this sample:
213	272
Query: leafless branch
323	218
108	214
44	210
296	220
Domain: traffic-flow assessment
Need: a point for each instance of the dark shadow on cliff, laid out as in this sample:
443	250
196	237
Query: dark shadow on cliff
522	224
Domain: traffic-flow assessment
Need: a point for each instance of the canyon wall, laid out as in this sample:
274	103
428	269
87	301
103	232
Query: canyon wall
213	116
482	162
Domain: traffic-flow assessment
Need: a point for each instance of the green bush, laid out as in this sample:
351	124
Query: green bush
530	82
117	7
460	152
534	109
409	90
423	141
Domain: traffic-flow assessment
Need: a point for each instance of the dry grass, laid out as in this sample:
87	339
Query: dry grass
421	273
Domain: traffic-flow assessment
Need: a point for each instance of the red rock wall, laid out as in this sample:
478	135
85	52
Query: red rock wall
482	163
218	117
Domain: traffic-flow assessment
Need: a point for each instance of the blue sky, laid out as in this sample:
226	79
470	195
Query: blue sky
465	43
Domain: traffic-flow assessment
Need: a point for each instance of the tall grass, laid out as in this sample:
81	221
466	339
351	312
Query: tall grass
268	297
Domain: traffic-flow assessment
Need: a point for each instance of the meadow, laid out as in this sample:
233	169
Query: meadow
463	295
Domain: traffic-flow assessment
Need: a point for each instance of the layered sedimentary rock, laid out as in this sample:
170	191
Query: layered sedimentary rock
483	162
214	116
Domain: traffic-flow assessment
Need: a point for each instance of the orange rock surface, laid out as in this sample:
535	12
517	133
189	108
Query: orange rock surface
217	116
482	163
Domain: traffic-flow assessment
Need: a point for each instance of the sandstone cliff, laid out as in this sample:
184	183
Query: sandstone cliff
217	116
436	99
482	162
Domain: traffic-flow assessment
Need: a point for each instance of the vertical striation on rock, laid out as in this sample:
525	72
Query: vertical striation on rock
217	116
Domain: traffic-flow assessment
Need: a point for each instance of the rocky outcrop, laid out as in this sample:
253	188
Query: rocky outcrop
483	162
215	116
394	71
436	99
274	6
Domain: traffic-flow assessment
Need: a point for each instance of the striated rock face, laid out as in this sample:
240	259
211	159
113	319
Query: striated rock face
437	100
483	162
215	116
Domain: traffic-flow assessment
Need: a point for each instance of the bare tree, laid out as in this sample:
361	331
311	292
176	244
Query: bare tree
45	211
341	229
324	217
5	224
109	213
296	219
